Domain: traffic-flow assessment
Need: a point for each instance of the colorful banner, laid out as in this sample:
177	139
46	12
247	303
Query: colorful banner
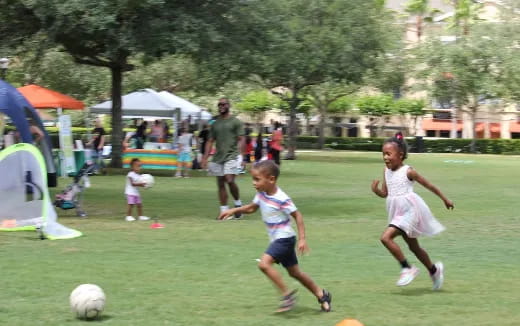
152	158
67	163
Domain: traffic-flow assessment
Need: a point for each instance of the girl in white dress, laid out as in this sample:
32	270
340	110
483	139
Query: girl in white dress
408	214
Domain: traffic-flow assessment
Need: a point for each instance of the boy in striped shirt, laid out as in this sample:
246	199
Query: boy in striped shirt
277	208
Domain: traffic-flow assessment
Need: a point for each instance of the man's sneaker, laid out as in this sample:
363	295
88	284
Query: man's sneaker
407	276
325	301
438	276
143	218
238	215
129	218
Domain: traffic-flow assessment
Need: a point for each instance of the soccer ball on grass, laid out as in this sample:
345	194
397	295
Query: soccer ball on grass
87	301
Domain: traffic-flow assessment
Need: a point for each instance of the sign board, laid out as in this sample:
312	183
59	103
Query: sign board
68	164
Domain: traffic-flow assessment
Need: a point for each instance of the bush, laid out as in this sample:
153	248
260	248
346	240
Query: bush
448	145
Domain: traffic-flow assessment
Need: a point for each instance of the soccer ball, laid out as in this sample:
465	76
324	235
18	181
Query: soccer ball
87	301
147	179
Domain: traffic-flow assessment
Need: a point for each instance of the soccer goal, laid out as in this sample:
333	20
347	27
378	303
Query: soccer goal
24	197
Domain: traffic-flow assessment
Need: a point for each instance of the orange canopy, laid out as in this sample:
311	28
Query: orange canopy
43	98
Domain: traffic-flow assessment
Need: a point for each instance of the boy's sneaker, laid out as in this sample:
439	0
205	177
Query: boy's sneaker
143	218
129	218
287	302
238	215
407	276
325	301
438	276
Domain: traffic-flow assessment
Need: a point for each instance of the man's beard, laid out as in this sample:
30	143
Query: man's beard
223	111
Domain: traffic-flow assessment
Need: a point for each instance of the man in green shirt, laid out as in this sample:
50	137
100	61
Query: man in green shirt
227	132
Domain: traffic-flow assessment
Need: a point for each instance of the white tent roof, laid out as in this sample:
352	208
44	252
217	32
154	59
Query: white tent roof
149	103
187	108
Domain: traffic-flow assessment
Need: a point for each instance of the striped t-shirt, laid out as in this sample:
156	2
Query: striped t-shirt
276	210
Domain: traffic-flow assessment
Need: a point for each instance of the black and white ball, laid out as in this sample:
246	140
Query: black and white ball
87	301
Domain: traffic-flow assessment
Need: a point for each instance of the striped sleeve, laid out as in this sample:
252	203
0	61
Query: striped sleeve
288	206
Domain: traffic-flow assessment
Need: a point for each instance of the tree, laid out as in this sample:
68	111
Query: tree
256	103
378	108
310	42
106	33
323	96
413	107
422	13
467	71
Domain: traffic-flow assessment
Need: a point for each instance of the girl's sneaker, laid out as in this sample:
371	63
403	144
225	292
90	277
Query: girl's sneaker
129	218
407	275
438	277
143	218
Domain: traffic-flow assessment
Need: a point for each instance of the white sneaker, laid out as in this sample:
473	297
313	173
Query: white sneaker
143	218
129	218
407	276
438	277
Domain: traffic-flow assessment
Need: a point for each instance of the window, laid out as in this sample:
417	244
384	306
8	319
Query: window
445	134
430	133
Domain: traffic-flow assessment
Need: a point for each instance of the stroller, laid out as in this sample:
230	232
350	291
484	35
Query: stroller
72	196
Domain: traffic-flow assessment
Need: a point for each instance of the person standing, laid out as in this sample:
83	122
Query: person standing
276	143
97	142
184	160
227	134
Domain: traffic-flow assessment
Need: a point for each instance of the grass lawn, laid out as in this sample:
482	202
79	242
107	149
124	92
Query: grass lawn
198	271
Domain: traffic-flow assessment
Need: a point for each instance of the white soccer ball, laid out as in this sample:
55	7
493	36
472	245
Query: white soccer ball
147	179
87	301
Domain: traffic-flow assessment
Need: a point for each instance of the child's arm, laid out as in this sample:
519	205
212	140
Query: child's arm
383	192
302	243
136	184
413	175
246	209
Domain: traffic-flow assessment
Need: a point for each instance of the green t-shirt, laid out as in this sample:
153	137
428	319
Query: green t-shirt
225	132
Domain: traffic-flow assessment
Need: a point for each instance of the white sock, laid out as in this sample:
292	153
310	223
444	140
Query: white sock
224	208
238	202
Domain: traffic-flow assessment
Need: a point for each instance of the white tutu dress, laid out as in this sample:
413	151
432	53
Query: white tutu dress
406	209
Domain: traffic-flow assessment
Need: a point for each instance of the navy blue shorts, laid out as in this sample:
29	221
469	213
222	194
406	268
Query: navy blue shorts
282	250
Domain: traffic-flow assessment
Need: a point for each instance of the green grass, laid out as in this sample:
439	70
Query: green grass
198	271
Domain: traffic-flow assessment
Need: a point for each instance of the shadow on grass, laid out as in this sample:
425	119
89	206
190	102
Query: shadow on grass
298	312
417	292
340	159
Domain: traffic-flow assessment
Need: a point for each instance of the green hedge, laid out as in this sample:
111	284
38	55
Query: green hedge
448	145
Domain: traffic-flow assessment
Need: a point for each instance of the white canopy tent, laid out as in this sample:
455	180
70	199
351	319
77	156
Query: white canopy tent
187	108
149	103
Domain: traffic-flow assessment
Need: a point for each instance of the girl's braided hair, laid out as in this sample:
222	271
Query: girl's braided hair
399	140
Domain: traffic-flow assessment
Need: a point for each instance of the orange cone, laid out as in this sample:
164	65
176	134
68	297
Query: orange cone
349	322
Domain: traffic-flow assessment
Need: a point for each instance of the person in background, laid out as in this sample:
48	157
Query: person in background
97	142
140	134
184	144
203	138
227	132
276	143
132	193
156	134
259	147
166	133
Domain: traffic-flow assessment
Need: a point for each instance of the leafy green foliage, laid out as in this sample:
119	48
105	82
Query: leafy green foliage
258	102
376	105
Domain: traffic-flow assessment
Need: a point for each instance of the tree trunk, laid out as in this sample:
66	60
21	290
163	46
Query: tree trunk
321	142
117	121
293	128
473	144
